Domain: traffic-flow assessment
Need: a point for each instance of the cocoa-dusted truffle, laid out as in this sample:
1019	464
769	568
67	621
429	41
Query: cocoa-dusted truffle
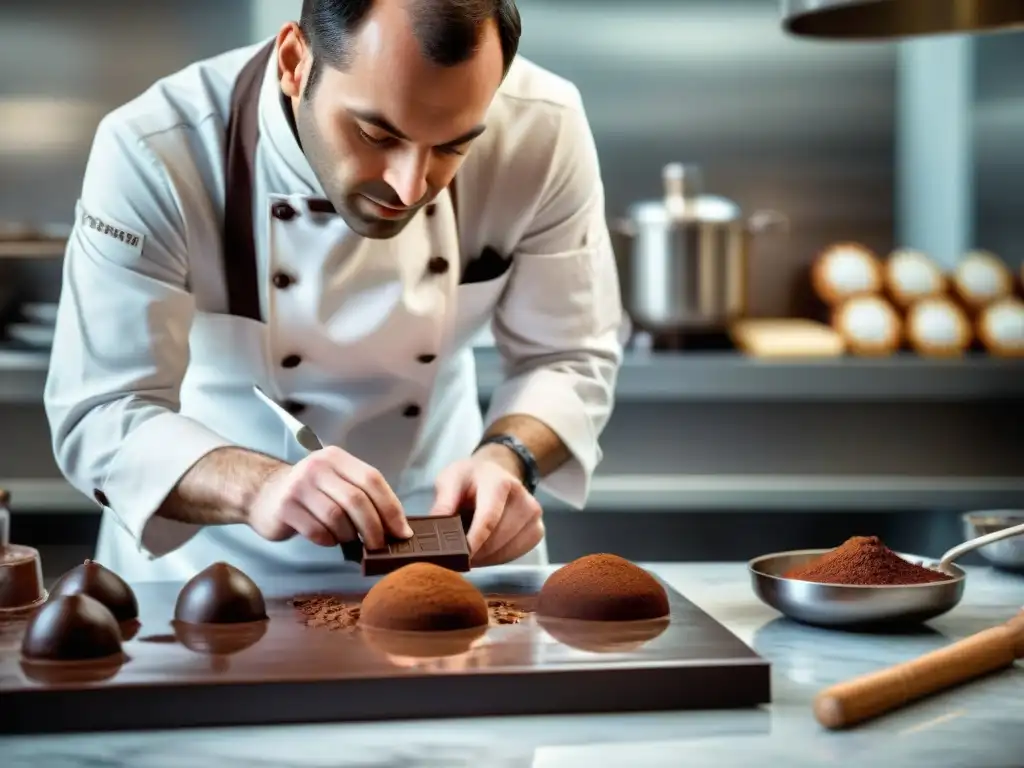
71	628
409	648
220	594
603	637
423	597
92	579
602	588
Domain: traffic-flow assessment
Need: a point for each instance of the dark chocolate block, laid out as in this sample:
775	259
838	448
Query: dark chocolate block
437	540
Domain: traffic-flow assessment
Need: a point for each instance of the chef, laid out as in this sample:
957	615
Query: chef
333	216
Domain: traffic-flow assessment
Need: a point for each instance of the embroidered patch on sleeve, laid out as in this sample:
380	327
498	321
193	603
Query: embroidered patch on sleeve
105	230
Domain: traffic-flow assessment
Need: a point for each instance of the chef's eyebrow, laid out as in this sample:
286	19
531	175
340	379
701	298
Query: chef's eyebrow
377	119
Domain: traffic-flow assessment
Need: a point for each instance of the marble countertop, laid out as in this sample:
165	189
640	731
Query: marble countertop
980	725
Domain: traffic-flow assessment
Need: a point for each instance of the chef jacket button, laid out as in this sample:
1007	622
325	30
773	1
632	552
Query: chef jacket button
282	280
427	359
101	497
282	211
293	407
438	265
431	210
411	411
291	361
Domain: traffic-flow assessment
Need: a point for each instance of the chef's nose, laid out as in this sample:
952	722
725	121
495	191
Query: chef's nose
407	175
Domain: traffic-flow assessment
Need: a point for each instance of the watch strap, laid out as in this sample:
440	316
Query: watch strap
531	472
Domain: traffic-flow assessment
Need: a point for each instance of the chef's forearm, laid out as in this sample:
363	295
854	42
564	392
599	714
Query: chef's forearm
547	448
219	488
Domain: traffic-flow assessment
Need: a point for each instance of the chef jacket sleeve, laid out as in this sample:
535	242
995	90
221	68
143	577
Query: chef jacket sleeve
557	323
121	344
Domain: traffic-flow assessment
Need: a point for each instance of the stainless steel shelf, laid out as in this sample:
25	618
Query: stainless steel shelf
733	377
678	493
33	249
718	377
22	376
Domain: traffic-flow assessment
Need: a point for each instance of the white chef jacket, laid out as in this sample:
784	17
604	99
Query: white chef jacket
149	373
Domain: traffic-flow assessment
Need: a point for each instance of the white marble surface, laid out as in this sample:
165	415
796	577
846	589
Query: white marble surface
980	725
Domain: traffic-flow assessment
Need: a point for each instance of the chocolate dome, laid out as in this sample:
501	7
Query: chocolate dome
423	597
602	588
100	583
220	594
71	628
219	639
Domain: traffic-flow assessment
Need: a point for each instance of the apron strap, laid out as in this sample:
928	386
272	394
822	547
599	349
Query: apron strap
239	245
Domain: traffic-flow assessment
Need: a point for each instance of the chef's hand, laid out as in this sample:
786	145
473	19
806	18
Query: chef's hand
329	497
506	517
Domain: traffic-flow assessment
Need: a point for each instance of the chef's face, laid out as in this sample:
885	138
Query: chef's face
386	135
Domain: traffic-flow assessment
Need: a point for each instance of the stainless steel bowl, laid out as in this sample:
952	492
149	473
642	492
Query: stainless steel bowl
848	607
1008	553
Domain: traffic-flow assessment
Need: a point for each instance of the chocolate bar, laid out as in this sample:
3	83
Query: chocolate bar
437	540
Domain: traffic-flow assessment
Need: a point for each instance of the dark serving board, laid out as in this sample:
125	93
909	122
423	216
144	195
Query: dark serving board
292	673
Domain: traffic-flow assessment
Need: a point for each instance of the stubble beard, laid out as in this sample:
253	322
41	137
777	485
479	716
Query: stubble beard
345	201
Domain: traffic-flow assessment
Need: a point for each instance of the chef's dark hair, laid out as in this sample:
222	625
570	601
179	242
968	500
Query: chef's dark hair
447	30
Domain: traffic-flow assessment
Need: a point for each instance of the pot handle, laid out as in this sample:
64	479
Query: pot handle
766	221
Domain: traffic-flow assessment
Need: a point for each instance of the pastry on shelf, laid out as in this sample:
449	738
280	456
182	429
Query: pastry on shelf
870	326
938	327
910	276
980	278
786	338
1000	327
844	270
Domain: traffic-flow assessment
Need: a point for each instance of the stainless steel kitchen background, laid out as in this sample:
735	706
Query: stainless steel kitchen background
823	132
796	126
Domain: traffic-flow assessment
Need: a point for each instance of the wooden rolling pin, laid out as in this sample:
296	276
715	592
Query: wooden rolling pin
868	696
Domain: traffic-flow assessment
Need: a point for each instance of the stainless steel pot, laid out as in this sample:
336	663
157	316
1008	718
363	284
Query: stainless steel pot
688	263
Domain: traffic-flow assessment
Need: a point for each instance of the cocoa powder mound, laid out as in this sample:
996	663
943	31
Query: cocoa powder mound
327	612
505	612
602	587
423	597
863	561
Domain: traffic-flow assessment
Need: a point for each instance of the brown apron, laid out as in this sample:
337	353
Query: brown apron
241	274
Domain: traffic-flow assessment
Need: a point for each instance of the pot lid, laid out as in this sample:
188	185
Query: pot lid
683	200
877	19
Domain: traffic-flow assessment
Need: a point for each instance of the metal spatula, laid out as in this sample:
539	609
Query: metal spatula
303	435
306	437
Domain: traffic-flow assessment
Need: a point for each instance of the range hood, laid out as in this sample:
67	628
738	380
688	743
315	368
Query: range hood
885	19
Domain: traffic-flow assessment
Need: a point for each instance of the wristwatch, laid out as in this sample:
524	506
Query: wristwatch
531	472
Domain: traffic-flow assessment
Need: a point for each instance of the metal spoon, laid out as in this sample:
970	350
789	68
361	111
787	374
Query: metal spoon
305	436
973	544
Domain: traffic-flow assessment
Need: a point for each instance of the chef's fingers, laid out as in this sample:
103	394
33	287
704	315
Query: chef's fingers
492	493
354	509
450	490
373	485
528	538
521	511
303	522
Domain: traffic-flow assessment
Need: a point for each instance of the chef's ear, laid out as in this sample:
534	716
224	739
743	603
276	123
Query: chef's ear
293	59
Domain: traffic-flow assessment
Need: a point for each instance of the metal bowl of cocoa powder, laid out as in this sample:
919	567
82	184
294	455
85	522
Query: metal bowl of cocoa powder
860	585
